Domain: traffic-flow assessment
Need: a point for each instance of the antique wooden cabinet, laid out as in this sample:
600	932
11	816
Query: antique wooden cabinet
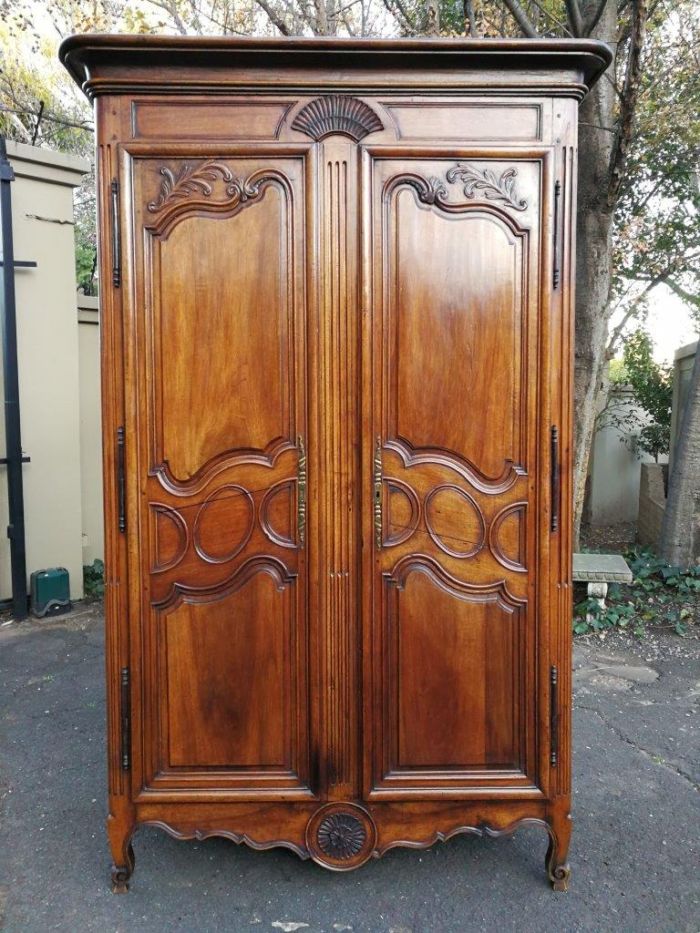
336	288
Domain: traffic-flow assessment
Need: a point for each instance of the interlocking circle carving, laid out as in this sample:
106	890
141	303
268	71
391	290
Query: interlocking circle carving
461	525
231	507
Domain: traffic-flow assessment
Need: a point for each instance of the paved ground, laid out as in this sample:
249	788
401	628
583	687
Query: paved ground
635	856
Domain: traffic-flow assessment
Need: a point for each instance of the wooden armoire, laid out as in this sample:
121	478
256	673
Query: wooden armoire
337	300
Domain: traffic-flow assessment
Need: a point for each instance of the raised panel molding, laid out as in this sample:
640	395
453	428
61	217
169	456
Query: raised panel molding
226	119
225	461
211	189
496	591
189	188
261	563
489	485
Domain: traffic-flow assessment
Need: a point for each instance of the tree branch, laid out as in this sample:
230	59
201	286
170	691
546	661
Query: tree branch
575	19
521	18
557	22
172	11
470	18
595	19
274	18
407	23
683	294
616	333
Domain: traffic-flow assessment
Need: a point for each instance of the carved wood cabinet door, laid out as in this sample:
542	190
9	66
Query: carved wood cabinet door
456	370
216	400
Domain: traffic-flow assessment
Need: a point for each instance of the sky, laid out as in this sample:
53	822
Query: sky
670	324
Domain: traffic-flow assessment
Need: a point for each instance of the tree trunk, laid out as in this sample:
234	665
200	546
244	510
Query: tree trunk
680	533
594	260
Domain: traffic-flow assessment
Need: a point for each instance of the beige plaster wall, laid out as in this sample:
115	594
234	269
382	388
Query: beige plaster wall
616	465
48	354
90	429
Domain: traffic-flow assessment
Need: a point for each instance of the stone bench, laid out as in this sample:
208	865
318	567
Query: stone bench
597	570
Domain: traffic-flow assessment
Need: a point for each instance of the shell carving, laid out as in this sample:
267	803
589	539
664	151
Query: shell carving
337	114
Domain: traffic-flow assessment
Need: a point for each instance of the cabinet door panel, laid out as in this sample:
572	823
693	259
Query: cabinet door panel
452	393
216	471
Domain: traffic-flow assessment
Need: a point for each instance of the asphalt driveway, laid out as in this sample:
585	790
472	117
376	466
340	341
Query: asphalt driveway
635	855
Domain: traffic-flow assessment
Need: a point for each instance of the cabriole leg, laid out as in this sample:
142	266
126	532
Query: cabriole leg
120	831
557	854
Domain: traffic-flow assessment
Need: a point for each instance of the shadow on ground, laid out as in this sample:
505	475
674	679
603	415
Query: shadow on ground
635	852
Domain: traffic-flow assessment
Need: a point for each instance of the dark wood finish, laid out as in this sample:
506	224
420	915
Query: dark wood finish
337	360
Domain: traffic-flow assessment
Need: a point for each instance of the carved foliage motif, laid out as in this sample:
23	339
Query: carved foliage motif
479	185
188	180
430	191
488	184
197	182
336	113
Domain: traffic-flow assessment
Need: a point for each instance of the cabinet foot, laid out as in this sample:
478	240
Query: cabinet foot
121	872
120	828
556	859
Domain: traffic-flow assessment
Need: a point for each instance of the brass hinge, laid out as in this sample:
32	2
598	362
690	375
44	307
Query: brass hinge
553	715
556	262
301	491
125	710
116	236
121	480
378	494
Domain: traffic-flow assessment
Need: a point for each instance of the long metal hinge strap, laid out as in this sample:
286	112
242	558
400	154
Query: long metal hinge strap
121	480
378	494
125	705
554	472
557	261
116	236
553	715
301	492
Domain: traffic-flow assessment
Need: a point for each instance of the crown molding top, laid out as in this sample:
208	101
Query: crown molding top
122	64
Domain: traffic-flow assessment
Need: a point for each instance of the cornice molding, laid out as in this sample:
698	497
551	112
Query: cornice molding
121	64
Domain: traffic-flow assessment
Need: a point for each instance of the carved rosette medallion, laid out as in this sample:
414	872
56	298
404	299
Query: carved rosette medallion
341	836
